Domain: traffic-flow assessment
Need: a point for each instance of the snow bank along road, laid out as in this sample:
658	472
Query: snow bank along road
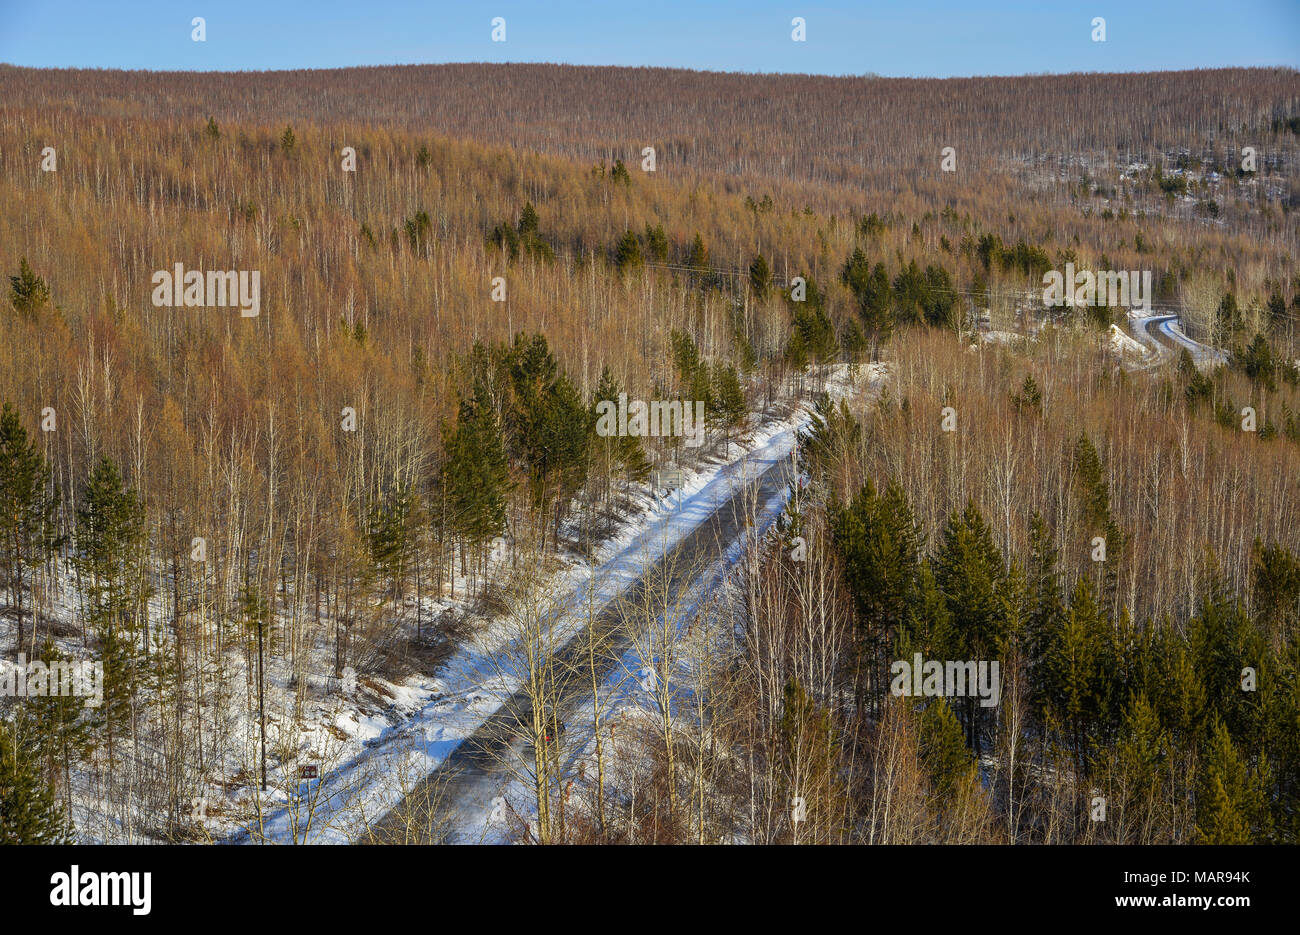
452	798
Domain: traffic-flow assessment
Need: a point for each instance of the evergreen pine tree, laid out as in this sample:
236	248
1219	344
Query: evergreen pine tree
29	813
550	427
627	252
1079	668
528	221
796	352
947	760
832	433
60	725
28	502
728	399
969	571
28	292
656	243
1046	608
698	257
940	298
1090	481
1141	762
1223	642
880	543
390	529
1231	807
1275	573
110	540
475	474
760	277
686	356
870	287
1180	699
110	535
854	343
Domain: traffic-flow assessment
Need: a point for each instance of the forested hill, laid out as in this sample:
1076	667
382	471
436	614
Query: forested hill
288	356
797	127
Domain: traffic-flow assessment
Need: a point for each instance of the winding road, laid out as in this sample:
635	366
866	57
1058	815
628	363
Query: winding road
1162	333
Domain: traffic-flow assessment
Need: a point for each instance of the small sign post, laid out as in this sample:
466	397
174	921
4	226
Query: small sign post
308	780
671	479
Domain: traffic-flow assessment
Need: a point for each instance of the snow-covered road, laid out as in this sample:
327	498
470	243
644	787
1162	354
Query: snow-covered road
1146	327
474	684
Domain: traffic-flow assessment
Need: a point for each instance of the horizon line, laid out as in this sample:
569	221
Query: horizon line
673	68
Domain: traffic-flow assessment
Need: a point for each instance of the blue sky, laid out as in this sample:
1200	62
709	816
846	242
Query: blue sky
904	37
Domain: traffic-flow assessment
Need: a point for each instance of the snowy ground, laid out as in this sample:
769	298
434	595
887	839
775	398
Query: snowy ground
628	702
628	705
373	740
1007	338
389	759
1126	348
475	681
